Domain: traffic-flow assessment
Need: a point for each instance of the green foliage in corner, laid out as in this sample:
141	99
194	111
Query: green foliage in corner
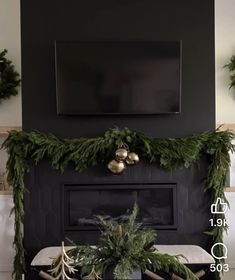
9	78
168	153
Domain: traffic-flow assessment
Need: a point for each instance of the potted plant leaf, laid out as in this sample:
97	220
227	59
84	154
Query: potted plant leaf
125	251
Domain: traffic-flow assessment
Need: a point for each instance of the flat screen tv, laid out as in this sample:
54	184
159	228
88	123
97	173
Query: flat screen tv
106	77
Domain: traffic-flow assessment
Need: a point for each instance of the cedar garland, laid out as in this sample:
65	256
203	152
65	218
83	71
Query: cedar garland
86	152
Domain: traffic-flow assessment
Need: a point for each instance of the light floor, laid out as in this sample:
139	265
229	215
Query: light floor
228	276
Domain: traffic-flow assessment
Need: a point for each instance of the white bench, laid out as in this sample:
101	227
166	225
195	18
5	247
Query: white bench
192	254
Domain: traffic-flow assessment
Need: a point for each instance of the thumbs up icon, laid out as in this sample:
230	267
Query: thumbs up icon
219	207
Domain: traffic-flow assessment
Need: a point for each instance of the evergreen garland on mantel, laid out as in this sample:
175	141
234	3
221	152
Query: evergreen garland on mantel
168	153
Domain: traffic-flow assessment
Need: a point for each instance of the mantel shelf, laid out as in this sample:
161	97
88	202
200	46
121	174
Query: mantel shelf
225	126
9	192
4	130
230	189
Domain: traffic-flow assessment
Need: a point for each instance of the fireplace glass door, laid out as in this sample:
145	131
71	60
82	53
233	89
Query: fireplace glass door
83	203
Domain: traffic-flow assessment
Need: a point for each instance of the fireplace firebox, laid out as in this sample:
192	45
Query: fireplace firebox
83	203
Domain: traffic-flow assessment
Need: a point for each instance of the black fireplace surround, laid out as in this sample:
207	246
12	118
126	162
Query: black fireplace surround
60	206
49	218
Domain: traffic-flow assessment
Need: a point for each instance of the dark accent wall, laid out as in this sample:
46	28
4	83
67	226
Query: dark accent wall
190	21
42	22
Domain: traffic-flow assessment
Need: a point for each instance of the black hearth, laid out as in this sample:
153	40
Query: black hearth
83	203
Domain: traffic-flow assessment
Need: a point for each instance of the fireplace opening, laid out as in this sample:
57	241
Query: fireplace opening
83	203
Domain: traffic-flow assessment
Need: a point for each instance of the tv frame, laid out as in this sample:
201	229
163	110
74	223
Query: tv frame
118	114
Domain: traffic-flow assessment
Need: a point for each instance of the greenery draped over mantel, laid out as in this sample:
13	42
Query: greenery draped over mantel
170	154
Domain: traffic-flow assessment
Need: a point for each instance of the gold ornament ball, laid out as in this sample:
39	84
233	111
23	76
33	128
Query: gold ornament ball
132	158
121	154
116	167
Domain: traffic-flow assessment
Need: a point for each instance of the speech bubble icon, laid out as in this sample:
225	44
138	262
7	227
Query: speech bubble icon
222	252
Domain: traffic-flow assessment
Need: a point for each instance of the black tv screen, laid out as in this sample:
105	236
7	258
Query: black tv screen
118	77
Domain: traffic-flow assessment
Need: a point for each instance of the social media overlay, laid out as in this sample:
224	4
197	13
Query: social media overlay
224	249
219	207
219	251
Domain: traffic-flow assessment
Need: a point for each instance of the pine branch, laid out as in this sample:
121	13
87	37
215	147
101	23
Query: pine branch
231	68
9	78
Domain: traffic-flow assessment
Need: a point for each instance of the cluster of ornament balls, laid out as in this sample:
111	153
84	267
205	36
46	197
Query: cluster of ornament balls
122	158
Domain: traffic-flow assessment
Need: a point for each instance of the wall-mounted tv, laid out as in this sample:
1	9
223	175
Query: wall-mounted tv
107	77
